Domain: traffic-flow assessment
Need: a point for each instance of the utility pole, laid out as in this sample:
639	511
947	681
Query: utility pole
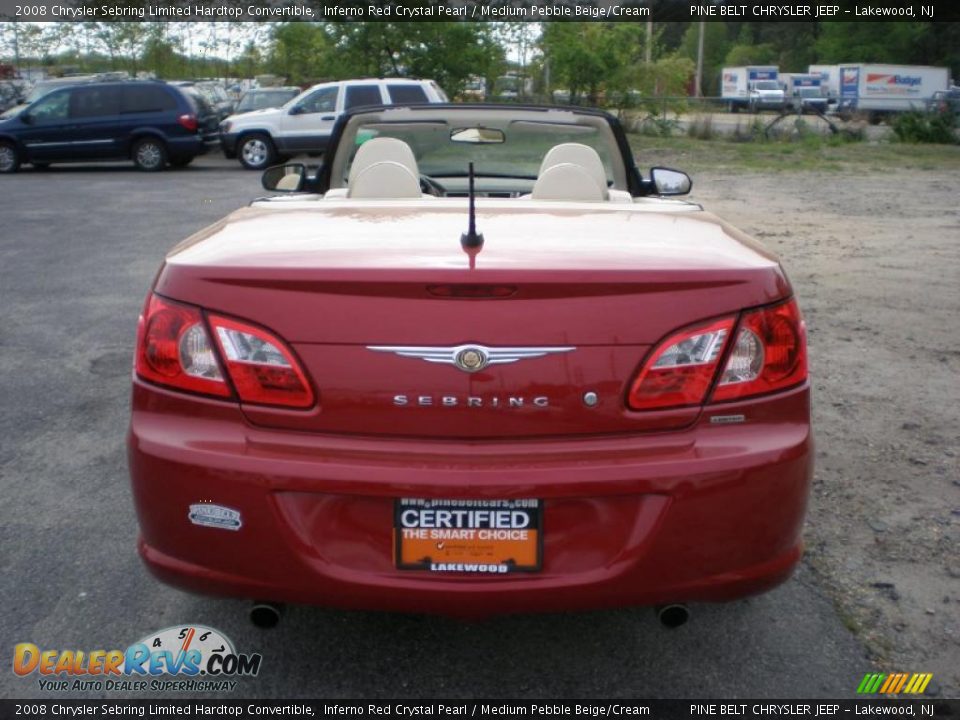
699	86
649	45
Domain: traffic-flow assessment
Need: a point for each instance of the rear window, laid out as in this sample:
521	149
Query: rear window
407	94
147	98
198	103
362	95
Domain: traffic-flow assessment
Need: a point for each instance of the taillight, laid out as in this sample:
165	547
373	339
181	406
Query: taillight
189	121
173	349
263	369
680	370
770	353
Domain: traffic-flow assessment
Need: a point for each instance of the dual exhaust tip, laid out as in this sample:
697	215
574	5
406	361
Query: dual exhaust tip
266	615
673	616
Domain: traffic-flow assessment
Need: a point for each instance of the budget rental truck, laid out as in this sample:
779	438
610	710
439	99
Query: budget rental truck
879	90
804	92
752	87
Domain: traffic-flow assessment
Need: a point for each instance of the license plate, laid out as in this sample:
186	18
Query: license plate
487	537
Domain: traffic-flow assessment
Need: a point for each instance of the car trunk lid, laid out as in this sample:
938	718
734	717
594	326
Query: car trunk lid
377	301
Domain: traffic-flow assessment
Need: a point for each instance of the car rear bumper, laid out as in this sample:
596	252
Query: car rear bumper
711	513
192	145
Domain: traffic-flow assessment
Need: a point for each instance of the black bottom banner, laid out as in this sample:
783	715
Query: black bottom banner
916	708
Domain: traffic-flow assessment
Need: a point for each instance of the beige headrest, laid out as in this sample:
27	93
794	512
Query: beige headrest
578	154
385	180
567	181
380	149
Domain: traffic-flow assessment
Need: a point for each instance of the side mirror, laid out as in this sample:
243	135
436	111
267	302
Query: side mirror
296	110
670	182
285	178
27	119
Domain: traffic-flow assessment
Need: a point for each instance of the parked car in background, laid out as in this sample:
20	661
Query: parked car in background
10	95
475	89
148	121
263	137
479	365
946	101
214	93
265	98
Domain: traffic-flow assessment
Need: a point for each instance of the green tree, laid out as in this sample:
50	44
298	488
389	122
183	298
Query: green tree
748	51
872	42
448	52
302	52
586	58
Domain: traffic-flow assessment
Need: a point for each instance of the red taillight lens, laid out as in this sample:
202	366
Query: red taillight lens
173	349
770	353
189	121
680	370
262	367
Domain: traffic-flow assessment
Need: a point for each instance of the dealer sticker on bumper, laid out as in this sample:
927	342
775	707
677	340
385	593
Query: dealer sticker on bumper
468	536
216	516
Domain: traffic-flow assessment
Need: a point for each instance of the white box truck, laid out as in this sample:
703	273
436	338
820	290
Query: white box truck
751	87
883	89
829	81
804	92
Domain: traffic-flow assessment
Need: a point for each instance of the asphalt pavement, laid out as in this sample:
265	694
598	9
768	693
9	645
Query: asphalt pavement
79	246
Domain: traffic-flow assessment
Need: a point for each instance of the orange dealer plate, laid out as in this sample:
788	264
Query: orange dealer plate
487	537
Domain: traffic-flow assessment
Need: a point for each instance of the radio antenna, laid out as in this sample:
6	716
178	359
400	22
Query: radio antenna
471	239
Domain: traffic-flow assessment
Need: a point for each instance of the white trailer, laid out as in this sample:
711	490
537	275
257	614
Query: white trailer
751	87
883	89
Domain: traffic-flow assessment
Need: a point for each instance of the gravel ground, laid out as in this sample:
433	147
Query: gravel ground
876	273
875	261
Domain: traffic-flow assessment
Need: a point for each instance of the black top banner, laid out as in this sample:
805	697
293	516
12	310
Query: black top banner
479	10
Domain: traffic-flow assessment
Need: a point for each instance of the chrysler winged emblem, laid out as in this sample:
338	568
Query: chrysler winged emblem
470	358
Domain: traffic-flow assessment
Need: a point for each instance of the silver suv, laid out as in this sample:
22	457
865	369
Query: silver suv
263	138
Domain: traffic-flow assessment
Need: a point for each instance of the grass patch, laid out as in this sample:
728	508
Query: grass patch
791	152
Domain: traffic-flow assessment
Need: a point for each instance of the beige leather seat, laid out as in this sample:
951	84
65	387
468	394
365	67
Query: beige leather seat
567	181
380	149
385	180
373	151
577	154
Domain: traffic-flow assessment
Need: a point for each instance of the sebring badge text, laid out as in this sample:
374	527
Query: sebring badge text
471	401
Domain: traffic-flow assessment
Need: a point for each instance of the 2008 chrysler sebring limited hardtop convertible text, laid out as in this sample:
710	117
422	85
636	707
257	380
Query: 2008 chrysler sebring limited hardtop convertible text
476	364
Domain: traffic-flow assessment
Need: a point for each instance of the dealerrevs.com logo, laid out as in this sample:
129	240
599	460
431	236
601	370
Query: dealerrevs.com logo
188	658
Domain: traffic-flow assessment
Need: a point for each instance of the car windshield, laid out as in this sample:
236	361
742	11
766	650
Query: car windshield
766	85
261	99
41	89
514	143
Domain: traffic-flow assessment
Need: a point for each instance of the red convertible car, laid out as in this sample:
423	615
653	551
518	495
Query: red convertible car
478	363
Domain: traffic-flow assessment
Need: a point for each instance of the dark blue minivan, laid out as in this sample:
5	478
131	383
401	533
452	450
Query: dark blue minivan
147	121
